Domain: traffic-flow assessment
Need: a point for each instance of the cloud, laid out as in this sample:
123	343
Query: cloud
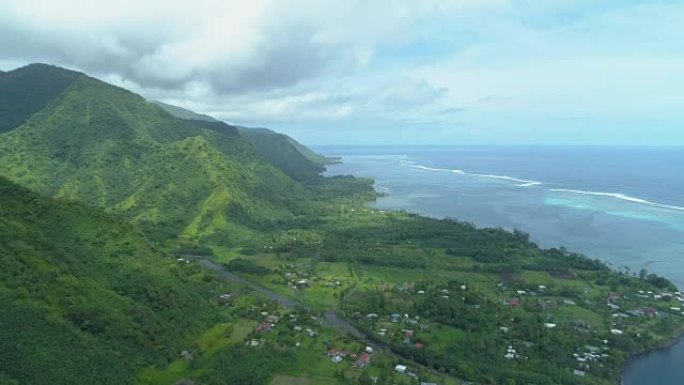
472	69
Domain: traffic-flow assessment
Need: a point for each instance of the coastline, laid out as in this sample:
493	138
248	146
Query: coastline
674	339
677	337
664	345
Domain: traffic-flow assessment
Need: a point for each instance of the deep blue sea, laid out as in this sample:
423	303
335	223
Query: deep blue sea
624	205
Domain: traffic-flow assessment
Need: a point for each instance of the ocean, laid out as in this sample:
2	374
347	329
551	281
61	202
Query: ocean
623	205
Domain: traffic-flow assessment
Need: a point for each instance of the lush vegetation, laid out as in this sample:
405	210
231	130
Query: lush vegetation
278	149
110	148
85	298
115	291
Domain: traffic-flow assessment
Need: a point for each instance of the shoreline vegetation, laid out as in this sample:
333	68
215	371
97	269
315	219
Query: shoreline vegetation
103	194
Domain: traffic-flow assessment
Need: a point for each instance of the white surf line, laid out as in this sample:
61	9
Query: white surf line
619	196
523	182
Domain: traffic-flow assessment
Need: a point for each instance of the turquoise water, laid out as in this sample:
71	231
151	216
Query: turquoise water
622	205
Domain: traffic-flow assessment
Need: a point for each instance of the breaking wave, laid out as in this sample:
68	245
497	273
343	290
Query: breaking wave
522	182
619	196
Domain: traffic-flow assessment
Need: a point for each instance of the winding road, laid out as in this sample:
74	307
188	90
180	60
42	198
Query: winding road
331	317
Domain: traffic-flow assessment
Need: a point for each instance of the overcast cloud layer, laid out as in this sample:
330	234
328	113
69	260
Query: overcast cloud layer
461	72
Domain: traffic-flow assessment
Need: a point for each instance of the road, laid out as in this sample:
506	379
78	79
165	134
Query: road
331	317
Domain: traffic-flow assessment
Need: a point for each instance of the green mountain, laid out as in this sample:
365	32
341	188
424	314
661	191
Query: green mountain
282	151
85	298
25	91
108	147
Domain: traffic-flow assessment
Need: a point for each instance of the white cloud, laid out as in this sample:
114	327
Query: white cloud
476	69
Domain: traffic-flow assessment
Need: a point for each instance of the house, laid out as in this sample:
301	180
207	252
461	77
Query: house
579	373
395	317
400	368
568	302
616	331
408	333
503	329
549	325
337	359
264	326
339	352
612	297
362	361
419	345
514	303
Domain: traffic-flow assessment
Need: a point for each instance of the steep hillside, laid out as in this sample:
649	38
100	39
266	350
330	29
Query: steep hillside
279	151
282	151
109	147
85	298
25	91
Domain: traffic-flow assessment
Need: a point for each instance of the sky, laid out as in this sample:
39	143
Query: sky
382	72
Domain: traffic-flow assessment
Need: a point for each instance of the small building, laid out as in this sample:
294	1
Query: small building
549	325
419	345
579	373
514	303
408	333
363	361
400	368
264	326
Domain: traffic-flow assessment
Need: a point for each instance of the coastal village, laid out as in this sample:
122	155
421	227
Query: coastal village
600	320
